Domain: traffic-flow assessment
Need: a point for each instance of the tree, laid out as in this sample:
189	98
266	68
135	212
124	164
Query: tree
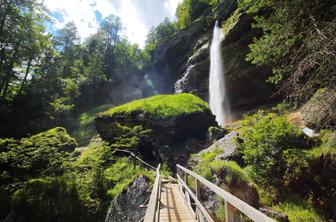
301	52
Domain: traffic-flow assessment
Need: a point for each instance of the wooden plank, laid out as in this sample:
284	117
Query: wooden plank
198	203
243	207
173	206
151	212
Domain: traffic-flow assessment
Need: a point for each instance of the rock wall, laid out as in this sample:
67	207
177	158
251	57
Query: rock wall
182	63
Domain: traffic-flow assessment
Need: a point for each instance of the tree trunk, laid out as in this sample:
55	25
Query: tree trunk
4	17
26	75
9	73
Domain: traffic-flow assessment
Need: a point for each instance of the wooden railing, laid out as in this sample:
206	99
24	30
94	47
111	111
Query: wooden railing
153	208
231	201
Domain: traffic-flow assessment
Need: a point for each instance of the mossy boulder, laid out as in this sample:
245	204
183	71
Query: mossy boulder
158	124
57	137
40	155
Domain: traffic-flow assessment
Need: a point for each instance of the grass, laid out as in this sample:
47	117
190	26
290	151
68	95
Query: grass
161	106
299	210
233	171
121	174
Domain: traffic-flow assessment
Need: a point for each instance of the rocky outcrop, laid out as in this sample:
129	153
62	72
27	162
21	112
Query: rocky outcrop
319	112
165	128
127	206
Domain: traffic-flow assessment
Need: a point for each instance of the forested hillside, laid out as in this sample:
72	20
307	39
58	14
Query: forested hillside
84	121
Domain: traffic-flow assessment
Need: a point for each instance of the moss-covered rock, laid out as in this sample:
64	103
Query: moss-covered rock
166	127
40	155
57	137
48	199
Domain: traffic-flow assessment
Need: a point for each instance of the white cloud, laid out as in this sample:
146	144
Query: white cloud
136	20
171	6
79	11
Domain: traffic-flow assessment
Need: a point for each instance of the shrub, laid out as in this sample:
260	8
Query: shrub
47	199
266	138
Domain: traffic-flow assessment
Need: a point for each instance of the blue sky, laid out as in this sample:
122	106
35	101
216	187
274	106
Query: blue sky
137	16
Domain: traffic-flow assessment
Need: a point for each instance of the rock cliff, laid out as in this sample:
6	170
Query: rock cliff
182	63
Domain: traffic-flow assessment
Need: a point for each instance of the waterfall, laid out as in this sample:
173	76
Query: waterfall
219	103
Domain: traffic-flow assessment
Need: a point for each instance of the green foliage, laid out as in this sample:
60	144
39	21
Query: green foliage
39	155
233	172
165	171
300	51
100	175
43	199
190	10
266	139
299	210
120	174
161	106
160	34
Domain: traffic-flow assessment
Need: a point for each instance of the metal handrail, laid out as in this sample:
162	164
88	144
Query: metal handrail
229	199
153	209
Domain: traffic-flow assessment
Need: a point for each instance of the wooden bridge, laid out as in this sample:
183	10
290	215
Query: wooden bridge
178	202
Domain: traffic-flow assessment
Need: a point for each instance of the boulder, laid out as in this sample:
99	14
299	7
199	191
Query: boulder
228	147
127	206
215	133
319	111
172	126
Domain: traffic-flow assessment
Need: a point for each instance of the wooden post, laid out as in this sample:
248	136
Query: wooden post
228	212
197	191
185	178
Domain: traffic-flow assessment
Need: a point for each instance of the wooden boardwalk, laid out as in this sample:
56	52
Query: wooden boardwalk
173	207
167	203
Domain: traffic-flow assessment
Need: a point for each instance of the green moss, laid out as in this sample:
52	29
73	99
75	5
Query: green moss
40	155
57	137
45	198
161	106
120	174
231	21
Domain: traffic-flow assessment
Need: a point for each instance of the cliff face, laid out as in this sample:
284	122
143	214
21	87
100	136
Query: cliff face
182	63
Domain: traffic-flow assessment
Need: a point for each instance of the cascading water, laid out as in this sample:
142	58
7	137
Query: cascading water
219	103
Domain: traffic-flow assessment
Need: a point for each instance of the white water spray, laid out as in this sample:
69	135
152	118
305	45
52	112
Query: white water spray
219	103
